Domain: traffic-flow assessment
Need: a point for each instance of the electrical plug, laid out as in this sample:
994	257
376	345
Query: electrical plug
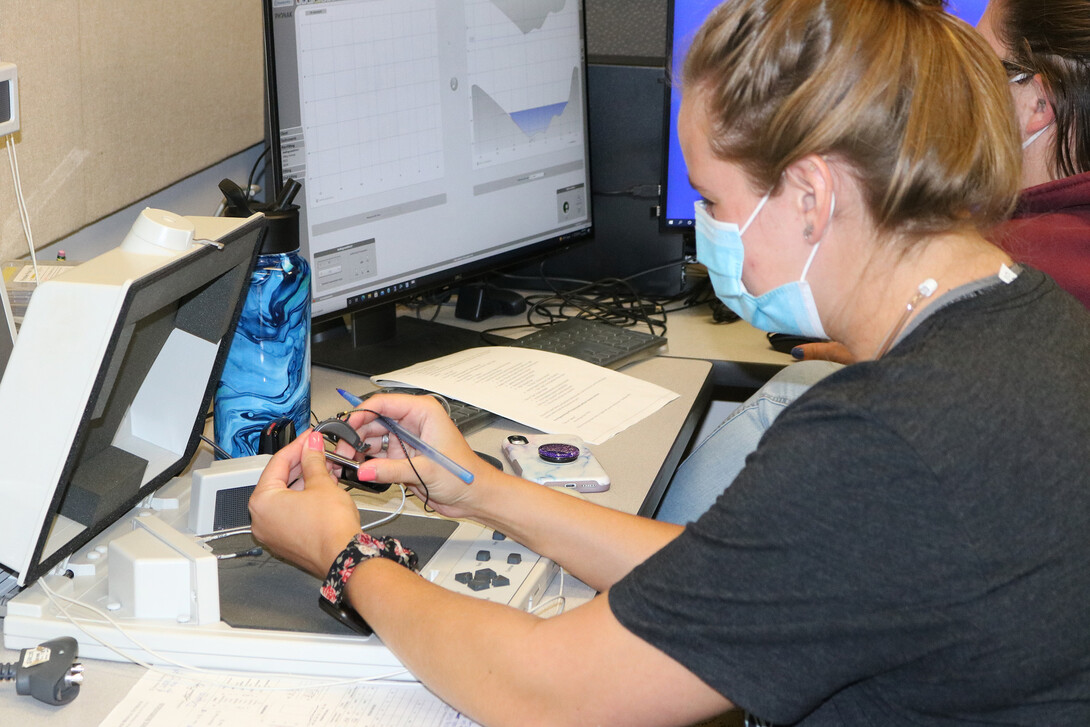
49	672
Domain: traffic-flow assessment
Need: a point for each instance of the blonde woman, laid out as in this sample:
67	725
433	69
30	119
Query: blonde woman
929	566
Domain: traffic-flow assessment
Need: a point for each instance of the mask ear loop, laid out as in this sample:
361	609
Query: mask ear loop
1020	78
1036	135
753	216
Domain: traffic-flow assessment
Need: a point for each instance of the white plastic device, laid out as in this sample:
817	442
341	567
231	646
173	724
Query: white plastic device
221	476
69	357
152	576
158	232
9	98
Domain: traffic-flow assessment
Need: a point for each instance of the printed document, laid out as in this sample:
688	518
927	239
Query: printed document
553	393
178	700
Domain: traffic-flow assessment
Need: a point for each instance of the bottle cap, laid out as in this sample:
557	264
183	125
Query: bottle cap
282	232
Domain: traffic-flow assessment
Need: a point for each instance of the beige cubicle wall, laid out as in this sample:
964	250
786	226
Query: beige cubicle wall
123	98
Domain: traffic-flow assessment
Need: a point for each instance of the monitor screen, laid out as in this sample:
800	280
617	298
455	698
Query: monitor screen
433	140
685	18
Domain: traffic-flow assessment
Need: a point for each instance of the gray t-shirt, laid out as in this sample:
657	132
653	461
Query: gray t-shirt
910	543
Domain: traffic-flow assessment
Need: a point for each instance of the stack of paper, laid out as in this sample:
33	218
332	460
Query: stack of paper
180	700
553	393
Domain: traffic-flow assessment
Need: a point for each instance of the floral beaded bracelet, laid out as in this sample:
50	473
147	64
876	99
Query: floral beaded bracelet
362	547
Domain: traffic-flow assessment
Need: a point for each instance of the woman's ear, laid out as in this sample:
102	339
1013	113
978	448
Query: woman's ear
1033	106
1036	124
809	182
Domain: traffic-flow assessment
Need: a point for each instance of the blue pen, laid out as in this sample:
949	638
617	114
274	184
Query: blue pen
406	436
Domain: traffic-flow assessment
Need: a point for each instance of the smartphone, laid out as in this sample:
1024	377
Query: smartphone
556	460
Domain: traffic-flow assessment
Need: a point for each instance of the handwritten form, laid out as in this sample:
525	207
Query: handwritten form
168	700
553	393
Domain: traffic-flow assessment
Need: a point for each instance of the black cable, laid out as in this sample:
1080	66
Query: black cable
607	301
636	191
699	294
555	279
614	301
610	300
419	302
427	493
253	172
219	450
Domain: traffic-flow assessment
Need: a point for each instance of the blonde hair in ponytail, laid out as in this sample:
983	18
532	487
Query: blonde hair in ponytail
911	98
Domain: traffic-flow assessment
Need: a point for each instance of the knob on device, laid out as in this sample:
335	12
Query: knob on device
158	232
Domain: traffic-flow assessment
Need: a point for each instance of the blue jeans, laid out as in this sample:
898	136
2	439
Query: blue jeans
717	460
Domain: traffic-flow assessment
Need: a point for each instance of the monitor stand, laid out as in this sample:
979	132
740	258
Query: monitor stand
379	341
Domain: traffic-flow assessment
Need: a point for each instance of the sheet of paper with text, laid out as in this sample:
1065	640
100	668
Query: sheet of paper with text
553	393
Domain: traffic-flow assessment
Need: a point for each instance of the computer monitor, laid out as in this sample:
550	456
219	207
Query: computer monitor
434	141
684	19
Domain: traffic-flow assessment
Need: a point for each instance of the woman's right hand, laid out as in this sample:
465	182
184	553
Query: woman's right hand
425	417
823	351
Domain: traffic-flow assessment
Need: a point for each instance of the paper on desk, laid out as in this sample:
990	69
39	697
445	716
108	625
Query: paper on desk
169	700
550	392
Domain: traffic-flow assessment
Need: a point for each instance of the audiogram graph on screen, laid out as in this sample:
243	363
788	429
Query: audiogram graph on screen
524	71
369	97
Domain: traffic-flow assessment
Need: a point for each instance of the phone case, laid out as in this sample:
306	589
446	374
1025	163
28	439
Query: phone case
583	474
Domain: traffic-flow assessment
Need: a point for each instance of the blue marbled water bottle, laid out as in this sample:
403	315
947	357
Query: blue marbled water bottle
267	374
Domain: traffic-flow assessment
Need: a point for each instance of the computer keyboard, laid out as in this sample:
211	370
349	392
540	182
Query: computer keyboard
593	341
587	340
466	417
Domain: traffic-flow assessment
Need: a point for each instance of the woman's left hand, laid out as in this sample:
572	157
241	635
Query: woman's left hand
308	525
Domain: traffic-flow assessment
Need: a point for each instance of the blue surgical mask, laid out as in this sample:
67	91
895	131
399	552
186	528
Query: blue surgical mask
788	308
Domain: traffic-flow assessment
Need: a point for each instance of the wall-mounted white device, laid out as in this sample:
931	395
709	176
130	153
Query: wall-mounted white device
9	99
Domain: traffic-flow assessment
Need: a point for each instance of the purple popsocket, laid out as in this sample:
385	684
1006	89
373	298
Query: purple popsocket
558	453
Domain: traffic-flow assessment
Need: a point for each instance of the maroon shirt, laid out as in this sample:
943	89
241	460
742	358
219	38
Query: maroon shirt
1050	230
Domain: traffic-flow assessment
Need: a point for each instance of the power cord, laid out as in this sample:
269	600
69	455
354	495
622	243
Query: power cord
223	453
636	191
24	214
264	156
49	672
610	300
559	601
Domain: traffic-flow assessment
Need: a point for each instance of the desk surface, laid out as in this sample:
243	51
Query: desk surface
740	354
639	461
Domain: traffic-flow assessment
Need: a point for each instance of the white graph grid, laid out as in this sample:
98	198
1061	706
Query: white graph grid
521	56
369	96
